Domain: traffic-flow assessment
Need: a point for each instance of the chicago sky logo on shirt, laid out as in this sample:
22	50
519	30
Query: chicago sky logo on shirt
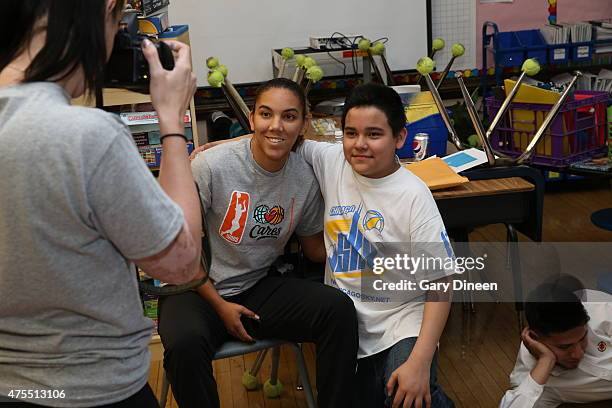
353	252
373	220
234	222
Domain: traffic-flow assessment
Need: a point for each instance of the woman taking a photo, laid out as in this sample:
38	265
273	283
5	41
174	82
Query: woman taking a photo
78	207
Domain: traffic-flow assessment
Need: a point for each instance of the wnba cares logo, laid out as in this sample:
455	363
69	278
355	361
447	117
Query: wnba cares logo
266	215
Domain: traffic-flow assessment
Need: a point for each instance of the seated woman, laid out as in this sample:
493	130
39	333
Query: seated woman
255	194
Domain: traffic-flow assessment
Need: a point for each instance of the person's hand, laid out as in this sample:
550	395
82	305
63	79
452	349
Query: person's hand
411	384
209	145
546	358
537	349
171	91
230	313
205	146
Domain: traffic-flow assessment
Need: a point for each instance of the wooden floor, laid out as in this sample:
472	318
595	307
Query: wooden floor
477	350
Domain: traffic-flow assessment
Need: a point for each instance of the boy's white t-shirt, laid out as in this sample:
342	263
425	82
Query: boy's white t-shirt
362	213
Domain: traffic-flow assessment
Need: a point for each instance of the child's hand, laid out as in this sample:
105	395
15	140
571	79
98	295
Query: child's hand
546	358
537	349
411	384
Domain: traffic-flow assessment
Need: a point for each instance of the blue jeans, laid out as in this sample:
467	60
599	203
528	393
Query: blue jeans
373	373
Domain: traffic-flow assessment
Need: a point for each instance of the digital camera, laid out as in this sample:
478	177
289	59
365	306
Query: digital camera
127	66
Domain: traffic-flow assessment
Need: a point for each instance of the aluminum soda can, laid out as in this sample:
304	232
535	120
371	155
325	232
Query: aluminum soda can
419	146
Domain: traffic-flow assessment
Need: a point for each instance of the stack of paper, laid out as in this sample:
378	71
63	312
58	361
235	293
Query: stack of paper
436	173
555	34
588	81
603	31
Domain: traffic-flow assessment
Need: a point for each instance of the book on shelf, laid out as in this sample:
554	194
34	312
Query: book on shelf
146	118
151	137
601	81
147	7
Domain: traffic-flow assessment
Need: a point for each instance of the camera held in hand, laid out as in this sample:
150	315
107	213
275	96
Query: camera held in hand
128	67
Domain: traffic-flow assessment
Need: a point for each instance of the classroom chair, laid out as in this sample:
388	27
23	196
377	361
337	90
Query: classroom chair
237	348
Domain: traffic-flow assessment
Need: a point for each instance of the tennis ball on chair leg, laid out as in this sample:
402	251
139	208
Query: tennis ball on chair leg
425	65
249	381
437	44
531	66
273	390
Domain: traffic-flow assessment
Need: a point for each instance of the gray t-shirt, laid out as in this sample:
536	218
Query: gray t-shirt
76	201
251	213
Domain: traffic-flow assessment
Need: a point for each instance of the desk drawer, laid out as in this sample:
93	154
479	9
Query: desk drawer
477	211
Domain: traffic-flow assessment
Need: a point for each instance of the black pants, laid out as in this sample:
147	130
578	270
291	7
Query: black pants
142	399
289	309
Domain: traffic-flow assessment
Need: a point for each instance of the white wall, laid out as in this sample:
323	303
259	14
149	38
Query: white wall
242	33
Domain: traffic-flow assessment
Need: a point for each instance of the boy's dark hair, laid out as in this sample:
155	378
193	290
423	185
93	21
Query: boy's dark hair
381	97
553	307
284	83
75	37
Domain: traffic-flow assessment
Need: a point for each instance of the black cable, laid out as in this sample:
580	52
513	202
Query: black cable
329	46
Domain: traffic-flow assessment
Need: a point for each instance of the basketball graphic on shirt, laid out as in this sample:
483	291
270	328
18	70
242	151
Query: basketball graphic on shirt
260	213
266	215
234	222
373	220
275	215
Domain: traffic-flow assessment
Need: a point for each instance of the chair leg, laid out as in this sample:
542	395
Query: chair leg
514	265
261	355
275	362
298	379
164	391
301	365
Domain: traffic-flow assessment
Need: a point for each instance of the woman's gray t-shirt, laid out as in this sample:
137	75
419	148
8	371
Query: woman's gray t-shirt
76	201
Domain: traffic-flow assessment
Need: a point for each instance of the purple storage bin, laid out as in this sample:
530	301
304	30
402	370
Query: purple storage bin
577	132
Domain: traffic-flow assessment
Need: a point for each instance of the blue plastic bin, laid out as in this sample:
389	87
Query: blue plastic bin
174	32
582	51
514	47
534	43
509	49
434	126
559	53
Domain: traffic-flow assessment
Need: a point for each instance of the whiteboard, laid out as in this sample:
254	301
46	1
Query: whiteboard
242	33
